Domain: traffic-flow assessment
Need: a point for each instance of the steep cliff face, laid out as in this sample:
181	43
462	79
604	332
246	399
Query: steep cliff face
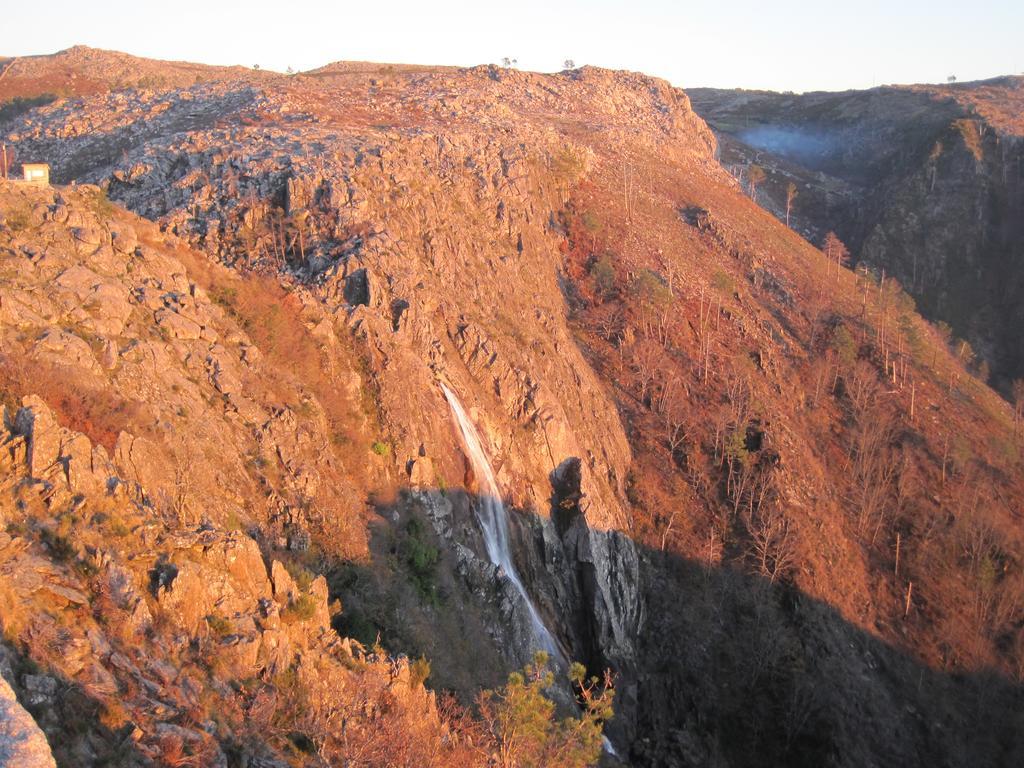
428	231
392	229
924	182
757	488
157	518
951	230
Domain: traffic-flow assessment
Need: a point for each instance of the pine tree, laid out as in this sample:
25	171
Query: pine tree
521	719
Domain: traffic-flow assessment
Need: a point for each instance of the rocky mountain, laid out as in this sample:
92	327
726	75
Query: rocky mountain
269	341
82	71
921	181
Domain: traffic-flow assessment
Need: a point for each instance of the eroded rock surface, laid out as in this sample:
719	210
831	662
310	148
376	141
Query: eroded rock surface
22	744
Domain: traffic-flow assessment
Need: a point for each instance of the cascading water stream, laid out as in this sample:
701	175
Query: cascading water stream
493	520
494	523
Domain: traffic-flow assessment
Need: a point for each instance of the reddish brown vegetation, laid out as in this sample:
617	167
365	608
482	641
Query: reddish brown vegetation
808	440
98	413
296	365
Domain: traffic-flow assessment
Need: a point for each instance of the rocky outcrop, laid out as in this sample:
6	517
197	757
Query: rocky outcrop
601	576
22	744
112	626
407	273
82	70
157	375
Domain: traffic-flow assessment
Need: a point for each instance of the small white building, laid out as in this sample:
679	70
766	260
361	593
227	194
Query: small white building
36	173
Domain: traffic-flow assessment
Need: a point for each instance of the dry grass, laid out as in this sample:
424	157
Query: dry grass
294	361
99	414
762	363
968	130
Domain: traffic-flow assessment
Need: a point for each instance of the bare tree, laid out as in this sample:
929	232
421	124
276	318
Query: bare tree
772	542
569	64
755	177
298	225
835	251
676	429
738	392
669	384
178	498
872	463
740	470
817	306
628	190
670	524
862	387
791	194
708	324
646	360
608	321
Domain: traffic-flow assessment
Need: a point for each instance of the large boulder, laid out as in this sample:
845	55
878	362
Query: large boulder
213	575
178	326
124	239
22	743
36	423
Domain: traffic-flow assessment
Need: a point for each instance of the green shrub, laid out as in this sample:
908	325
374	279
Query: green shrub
420	558
354	624
845	346
303	576
590	222
224	296
60	546
735	446
522	722
303	608
723	283
603	272
18	216
233	522
567	166
419	671
381	448
117	526
219	624
21	104
102	206
650	288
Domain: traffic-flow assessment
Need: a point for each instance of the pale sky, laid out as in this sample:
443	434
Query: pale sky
784	45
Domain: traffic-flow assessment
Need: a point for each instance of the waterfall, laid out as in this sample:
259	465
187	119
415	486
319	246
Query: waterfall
493	518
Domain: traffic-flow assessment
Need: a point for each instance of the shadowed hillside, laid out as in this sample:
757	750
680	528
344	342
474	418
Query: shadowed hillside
923	182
